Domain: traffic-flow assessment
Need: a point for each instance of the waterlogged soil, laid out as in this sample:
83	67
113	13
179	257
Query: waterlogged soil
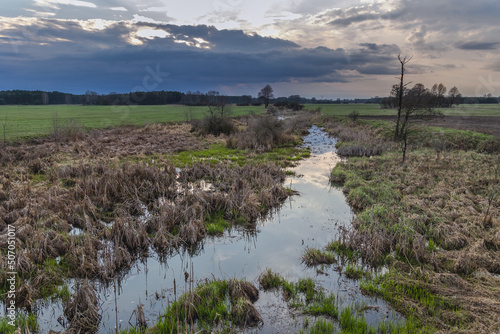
308	220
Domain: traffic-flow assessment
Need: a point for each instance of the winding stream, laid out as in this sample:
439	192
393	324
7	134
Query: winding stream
310	219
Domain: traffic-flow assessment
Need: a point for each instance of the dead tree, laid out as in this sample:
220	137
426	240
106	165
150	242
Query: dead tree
412	107
402	86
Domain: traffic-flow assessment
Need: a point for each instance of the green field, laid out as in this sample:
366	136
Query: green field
23	122
375	110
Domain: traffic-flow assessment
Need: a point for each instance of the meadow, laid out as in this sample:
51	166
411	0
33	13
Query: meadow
27	122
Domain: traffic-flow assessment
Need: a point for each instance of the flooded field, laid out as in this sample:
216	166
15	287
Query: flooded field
310	219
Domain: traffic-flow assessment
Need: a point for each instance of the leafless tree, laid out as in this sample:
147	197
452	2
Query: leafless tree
266	94
413	105
56	127
403	61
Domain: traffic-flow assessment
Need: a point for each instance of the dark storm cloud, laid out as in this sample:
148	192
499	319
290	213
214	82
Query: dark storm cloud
478	45
63	55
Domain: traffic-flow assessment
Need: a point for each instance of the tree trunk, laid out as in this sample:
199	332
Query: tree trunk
405	143
400	98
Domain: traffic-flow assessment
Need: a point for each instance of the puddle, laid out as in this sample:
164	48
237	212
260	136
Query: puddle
76	231
310	219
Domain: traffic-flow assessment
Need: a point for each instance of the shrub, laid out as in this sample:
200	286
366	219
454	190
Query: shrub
263	133
353	115
214	125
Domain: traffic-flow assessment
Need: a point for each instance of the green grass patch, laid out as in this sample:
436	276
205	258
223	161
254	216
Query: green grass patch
322	326
312	257
413	299
355	272
283	156
352	324
224	303
343	250
215	223
22	321
326	306
34	121
270	280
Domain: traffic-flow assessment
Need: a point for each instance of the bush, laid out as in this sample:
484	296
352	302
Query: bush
295	106
489	145
214	125
72	129
354	115
271	110
263	133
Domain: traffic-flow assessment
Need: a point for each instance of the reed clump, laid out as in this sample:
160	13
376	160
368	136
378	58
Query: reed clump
83	309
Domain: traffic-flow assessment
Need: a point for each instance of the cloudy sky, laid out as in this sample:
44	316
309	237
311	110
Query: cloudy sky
321	48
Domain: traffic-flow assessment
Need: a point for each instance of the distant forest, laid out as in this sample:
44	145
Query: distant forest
26	97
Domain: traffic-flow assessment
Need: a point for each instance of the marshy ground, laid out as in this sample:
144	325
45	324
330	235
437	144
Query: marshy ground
431	221
89	207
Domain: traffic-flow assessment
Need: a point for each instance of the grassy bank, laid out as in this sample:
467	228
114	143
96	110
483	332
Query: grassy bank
432	221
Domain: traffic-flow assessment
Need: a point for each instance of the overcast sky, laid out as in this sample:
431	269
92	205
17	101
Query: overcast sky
309	47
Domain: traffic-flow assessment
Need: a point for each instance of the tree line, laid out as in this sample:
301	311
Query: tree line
434	96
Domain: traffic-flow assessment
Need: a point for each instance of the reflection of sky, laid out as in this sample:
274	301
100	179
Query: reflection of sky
308	220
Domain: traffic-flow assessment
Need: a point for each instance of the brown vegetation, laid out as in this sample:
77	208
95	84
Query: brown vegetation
89	207
429	220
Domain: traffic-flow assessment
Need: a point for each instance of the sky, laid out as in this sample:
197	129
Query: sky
315	48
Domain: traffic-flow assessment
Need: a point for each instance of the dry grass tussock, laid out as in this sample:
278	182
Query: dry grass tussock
264	133
430	217
108	143
83	310
356	139
83	216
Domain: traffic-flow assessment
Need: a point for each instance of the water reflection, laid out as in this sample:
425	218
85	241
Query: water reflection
310	219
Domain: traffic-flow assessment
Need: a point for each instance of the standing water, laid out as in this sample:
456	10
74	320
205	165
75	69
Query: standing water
308	220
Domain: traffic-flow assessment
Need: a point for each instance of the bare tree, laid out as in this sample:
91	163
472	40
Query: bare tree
56	127
403	61
413	105
266	94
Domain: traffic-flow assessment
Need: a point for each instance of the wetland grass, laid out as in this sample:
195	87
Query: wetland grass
311	300
218	304
426	219
97	197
